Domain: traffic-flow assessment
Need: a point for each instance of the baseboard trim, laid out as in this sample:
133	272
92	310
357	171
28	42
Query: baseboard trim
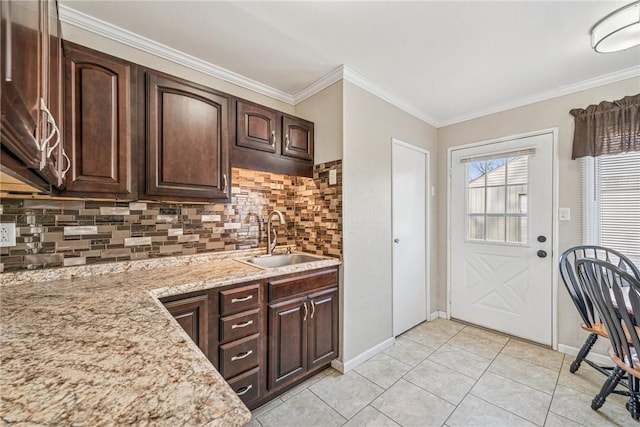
600	359
437	314
345	367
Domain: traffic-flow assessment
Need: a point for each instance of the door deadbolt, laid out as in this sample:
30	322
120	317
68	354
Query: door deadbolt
542	254
542	239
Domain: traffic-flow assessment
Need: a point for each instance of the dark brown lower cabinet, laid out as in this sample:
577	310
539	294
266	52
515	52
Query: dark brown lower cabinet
191	314
323	328
303	325
264	337
288	341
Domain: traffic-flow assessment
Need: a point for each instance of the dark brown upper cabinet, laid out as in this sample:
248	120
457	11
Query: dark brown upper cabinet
297	137
268	140
98	123
187	140
31	91
257	127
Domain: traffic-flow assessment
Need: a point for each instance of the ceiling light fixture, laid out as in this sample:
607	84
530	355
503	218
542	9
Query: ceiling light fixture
617	31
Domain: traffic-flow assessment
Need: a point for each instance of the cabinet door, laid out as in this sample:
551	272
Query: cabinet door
98	122
256	127
187	140
287	341
21	79
297	137
323	327
192	315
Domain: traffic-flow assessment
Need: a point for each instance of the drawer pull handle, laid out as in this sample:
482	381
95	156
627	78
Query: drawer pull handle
242	355
242	325
313	308
244	390
304	319
273	138
247	298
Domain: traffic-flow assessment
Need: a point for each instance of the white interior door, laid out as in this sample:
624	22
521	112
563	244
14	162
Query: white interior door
501	219
409	166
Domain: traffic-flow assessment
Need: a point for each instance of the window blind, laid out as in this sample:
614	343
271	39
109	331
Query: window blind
611	202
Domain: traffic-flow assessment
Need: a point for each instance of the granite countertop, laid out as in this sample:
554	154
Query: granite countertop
93	345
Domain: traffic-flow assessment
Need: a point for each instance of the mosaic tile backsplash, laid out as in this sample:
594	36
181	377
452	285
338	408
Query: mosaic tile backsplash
55	233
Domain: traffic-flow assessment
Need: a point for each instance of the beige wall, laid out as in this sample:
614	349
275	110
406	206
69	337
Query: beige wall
324	109
369	125
117	49
541	115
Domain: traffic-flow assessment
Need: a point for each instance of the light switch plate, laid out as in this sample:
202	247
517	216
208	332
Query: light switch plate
333	177
564	214
7	234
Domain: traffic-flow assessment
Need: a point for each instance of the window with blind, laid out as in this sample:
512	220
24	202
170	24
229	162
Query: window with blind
611	202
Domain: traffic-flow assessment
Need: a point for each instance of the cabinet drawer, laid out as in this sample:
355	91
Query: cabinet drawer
239	299
300	285
246	385
239	325
238	356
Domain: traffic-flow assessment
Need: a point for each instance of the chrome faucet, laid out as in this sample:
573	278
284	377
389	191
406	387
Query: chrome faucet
272	244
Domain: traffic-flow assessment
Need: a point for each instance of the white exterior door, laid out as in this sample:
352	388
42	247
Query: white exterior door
501	230
409	169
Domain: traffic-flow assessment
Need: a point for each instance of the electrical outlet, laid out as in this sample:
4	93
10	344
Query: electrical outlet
7	234
333	177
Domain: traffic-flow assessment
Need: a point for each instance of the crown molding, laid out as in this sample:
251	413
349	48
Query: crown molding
89	23
346	73
322	83
86	22
359	80
617	76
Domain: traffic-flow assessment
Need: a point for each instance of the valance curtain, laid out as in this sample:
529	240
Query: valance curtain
607	128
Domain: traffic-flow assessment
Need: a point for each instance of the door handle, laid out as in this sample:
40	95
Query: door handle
396	240
542	239
542	254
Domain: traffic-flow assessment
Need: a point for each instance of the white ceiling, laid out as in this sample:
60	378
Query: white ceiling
444	61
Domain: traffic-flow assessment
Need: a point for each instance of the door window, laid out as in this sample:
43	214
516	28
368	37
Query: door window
497	200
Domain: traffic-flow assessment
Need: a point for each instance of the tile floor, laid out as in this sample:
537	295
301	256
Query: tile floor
445	373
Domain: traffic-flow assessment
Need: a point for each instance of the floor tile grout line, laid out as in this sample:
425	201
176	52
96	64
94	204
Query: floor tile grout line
326	403
511	412
555	387
368	403
525	384
476	382
385	390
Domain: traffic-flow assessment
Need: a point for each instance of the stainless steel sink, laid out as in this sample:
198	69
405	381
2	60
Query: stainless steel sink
274	261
